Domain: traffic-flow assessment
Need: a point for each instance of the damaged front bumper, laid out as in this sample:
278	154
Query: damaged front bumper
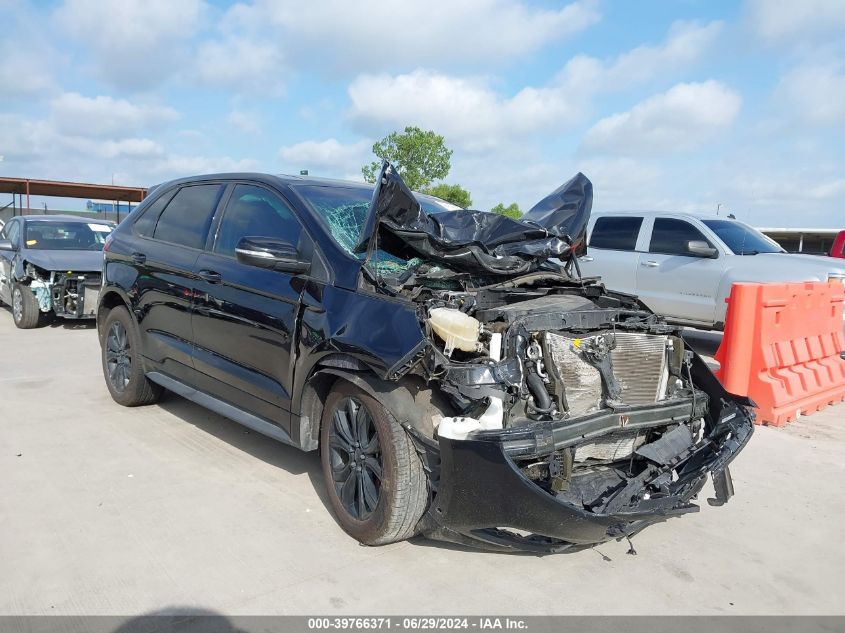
484	499
69	295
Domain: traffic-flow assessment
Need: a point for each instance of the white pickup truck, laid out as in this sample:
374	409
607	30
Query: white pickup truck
682	265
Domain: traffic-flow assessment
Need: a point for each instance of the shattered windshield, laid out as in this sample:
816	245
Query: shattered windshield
344	210
66	236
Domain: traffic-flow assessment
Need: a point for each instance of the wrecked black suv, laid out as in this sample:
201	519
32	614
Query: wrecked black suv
459	377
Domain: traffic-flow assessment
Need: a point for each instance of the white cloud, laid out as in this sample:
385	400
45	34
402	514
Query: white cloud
36	148
814	93
474	116
133	148
375	36
29	59
777	188
685	44
242	64
180	165
466	111
328	154
788	21
103	116
246	122
623	183
136	42
685	116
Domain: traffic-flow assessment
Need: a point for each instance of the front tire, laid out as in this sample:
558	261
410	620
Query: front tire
376	483
25	310
122	366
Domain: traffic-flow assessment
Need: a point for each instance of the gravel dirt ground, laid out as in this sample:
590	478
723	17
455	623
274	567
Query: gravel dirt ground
107	510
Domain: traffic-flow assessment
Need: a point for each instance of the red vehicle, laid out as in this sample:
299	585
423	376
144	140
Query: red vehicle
838	248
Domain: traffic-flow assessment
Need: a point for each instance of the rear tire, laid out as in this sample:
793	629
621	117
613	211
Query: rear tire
376	483
25	310
122	366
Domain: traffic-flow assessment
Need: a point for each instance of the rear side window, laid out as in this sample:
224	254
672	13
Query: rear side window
670	236
255	212
146	224
616	233
187	218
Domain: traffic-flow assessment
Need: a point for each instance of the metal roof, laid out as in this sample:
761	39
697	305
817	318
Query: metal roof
64	218
60	189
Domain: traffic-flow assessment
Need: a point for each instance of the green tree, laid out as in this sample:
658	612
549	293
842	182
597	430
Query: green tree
512	210
420	157
451	193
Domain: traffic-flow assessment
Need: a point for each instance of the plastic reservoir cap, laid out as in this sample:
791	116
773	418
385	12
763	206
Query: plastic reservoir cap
458	330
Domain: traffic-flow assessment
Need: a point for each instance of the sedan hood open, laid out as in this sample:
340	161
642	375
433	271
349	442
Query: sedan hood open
76	261
477	241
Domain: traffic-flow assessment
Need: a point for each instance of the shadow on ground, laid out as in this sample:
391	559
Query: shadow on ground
268	450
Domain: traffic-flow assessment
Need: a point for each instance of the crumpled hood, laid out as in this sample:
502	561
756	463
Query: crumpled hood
477	241
63	261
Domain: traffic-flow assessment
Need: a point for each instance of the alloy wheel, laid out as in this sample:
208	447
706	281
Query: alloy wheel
118	356
17	304
355	458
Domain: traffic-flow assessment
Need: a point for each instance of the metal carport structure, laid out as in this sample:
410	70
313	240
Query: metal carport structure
61	189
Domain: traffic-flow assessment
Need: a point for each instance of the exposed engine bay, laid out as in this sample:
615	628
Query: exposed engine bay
570	355
68	294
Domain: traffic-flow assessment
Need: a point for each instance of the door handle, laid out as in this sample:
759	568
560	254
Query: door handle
650	264
210	276
139	258
586	258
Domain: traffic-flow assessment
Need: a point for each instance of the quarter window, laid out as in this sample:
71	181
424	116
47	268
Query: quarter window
146	224
617	233
670	237
187	218
255	212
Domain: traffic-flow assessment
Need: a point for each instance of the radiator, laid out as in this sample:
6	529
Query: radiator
639	365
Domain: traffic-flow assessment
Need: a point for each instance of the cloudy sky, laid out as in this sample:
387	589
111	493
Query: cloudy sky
675	104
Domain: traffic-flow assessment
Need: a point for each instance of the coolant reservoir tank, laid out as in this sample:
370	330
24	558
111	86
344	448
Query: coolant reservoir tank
458	330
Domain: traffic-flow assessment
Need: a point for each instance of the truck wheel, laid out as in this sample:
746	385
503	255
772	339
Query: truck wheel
122	368
25	311
375	480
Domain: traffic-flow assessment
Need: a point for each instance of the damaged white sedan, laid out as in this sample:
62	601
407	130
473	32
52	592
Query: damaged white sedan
50	265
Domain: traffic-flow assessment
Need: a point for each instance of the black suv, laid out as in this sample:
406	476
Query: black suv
458	376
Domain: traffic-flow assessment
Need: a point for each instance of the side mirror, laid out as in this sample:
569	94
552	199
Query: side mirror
6	245
700	248
271	253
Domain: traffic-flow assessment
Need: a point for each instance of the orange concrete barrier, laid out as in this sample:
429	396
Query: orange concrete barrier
782	346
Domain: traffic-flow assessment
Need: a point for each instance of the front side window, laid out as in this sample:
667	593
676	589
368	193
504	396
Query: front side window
617	233
12	231
670	237
66	236
255	212
742	239
187	218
